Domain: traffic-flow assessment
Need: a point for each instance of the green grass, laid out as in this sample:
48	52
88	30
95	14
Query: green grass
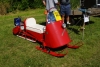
17	52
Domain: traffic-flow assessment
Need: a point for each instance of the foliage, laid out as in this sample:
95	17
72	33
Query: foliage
4	6
75	3
7	6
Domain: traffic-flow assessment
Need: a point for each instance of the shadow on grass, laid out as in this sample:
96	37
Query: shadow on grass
74	30
43	23
80	25
90	22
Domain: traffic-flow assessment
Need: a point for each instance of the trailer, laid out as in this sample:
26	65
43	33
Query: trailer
86	9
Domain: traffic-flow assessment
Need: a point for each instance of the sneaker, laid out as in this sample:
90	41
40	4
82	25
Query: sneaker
68	23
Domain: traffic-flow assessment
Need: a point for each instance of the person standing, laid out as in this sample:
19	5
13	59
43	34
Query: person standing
50	7
65	10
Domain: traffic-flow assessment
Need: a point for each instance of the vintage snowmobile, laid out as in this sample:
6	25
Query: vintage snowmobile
52	37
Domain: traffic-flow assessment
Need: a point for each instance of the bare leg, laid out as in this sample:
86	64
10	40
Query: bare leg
63	18
67	19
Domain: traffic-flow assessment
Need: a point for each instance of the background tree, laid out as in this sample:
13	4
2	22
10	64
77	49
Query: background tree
7	6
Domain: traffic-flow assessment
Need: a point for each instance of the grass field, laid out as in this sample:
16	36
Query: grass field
17	52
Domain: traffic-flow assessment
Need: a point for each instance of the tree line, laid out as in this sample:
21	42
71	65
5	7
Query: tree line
7	6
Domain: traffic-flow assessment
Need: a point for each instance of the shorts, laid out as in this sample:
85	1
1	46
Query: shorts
65	9
50	17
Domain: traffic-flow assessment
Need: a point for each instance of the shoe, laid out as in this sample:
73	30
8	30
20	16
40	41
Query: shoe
68	23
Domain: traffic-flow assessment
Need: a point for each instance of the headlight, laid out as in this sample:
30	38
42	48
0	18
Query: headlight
64	25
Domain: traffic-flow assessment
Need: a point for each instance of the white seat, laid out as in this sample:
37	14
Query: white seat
30	22
32	26
38	28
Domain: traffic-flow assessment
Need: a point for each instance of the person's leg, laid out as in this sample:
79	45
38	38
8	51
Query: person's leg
63	18
62	12
67	19
68	12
